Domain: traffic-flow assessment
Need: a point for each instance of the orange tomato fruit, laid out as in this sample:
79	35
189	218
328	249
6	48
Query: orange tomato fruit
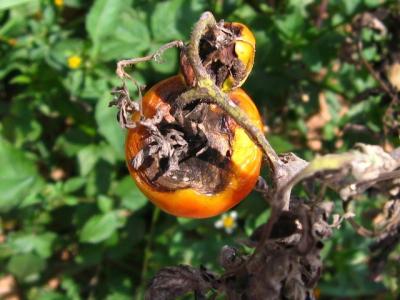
239	174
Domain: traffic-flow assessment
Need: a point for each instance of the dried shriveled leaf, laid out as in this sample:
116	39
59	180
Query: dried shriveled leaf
172	282
348	172
387	241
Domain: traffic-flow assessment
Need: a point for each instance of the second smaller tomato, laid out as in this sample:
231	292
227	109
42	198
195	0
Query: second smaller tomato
227	51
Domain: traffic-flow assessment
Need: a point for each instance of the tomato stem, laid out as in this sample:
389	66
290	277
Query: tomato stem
147	251
205	85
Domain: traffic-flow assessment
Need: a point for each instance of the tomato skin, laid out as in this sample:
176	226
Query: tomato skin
245	49
245	160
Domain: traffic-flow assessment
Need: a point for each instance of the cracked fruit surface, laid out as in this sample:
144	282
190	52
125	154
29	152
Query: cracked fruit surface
192	161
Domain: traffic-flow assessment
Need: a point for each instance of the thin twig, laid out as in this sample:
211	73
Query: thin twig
371	70
206	20
363	185
122	64
322	13
147	250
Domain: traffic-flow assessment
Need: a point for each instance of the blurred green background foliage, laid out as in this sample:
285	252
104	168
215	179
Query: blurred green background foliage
73	225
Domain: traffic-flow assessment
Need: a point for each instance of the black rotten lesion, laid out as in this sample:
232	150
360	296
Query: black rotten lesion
195	137
217	51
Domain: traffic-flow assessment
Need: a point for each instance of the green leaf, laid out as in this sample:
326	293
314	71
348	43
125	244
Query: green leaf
74	81
131	197
163	21
103	18
328	131
300	5
40	244
189	224
73	141
18	176
71	288
87	157
20	125
73	184
26	267
13	189
108	125
350	7
89	255
370	53
51	295
373	3
291	26
130	39
21	79
104	203
6	4
99	228
188	13
119	296
280	144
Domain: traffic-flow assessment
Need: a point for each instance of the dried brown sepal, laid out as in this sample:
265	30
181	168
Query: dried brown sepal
126	107
189	149
389	239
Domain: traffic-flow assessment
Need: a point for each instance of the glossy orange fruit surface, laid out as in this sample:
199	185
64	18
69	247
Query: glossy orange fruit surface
239	175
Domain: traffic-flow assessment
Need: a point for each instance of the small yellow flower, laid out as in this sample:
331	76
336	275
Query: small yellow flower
74	61
59	3
227	221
